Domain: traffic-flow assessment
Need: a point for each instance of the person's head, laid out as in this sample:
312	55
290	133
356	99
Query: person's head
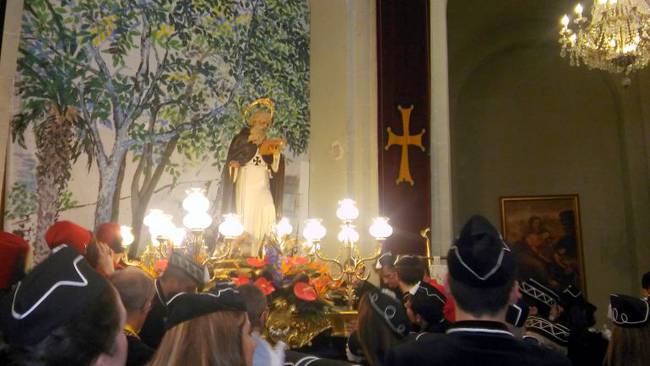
110	234
256	305
645	284
63	313
425	309
385	268
136	290
260	120
13	255
70	234
182	275
482	271
631	334
410	270
206	329
377	332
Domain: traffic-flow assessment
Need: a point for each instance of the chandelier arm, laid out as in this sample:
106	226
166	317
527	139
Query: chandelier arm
333	261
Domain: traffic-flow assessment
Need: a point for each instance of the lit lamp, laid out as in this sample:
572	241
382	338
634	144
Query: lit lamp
126	232
158	224
313	232
350	264
196	220
230	228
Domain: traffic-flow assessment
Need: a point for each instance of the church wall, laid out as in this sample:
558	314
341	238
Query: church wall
343	148
526	123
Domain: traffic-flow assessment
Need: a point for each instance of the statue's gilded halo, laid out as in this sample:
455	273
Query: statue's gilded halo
267	102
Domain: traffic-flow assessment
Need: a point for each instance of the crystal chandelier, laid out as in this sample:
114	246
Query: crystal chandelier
615	39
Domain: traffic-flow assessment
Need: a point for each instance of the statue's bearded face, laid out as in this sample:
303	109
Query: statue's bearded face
259	123
260	120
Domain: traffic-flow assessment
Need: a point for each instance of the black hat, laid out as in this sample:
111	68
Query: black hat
428	302
553	332
51	295
628	311
480	257
186	306
196	271
517	313
571	295
537	294
390	310
385	259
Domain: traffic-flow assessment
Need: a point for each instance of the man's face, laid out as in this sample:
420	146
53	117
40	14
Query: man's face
260	120
389	277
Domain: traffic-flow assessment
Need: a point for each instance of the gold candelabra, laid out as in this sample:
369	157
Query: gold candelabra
350	265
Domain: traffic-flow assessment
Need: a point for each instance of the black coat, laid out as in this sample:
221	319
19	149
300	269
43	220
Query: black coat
470	343
138	353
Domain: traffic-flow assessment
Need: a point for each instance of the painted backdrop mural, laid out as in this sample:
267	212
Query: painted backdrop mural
124	104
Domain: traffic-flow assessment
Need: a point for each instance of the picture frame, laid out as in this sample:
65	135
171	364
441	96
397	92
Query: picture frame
546	236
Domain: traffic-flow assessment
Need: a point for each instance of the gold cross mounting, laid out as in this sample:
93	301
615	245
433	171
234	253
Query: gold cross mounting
404	141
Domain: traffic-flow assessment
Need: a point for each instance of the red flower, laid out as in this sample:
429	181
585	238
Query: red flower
304	292
241	280
264	285
160	266
256	262
297	261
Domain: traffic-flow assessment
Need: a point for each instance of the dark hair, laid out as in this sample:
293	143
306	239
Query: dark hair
410	269
480	301
374	335
255	304
79	341
645	281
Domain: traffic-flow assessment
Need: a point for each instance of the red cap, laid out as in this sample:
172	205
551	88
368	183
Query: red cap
66	232
109	234
12	248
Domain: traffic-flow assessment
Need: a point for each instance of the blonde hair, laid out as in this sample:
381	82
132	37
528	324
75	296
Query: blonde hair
209	340
628	347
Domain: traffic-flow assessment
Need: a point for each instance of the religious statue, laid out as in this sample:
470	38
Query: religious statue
253	176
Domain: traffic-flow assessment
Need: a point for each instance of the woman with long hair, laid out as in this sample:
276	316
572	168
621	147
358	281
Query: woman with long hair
206	329
383	324
631	334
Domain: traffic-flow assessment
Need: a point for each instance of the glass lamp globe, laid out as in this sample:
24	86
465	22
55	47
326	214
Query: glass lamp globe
283	227
177	236
196	201
197	221
314	230
348	234
126	232
347	210
231	226
153	216
380	229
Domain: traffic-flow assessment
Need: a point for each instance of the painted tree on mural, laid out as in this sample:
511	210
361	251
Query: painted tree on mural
163	76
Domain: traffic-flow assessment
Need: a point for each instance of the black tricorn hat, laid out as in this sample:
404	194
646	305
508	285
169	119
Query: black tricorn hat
193	269
537	294
390	310
554	332
429	303
628	311
480	257
51	295
186	306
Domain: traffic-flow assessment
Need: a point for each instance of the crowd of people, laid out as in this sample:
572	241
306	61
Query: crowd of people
82	306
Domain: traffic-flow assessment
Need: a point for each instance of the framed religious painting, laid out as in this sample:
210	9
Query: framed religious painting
544	232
